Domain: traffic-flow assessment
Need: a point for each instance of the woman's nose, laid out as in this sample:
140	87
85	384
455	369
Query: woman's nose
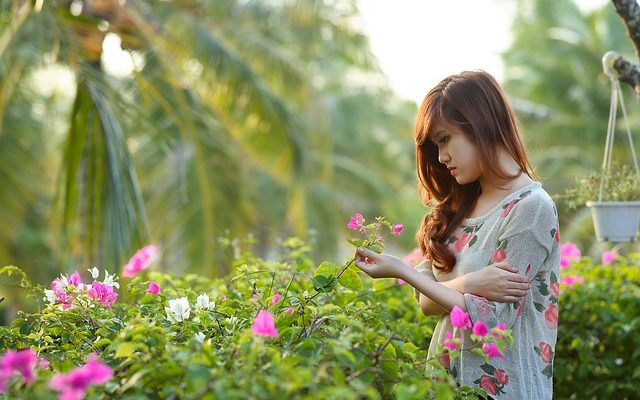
443	157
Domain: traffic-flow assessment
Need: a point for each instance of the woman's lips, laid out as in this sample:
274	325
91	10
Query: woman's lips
453	170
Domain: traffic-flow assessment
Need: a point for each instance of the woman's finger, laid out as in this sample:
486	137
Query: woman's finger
506	266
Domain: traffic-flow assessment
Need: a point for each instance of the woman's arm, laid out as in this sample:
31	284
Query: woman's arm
442	296
387	266
496	282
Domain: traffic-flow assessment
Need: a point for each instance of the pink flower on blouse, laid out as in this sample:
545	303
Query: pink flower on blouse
499	255
545	352
551	316
501	377
462	241
488	384
554	288
508	208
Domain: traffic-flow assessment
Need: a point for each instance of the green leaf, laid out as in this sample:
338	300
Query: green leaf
489	369
356	242
326	269
125	350
377	247
350	279
539	306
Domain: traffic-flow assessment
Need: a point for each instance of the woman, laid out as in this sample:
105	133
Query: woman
489	219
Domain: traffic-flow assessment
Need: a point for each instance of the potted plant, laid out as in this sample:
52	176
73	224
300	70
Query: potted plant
614	199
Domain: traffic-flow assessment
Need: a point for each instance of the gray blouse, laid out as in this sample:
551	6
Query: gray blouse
523	230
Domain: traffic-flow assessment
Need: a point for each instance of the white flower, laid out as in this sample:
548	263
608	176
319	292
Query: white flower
95	272
178	310
50	296
199	337
203	303
111	280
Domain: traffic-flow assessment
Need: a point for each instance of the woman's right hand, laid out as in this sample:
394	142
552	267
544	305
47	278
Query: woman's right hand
498	282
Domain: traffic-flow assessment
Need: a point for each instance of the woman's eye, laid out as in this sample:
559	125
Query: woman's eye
444	139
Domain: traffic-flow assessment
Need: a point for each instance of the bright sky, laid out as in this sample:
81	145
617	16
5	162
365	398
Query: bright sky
419	42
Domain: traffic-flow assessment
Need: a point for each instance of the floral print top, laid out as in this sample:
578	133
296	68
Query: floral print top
523	230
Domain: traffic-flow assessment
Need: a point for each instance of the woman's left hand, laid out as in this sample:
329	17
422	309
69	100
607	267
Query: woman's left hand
378	265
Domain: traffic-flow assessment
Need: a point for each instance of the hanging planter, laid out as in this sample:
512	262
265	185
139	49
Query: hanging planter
613	195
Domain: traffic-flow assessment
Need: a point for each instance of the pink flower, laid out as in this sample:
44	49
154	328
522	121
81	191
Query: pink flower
459	318
222	297
103	293
74	384
20	361
488	384
571	280
448	343
462	241
491	350
501	377
75	279
551	316
480	329
289	310
397	229
140	260
546	354
153	288
254	297
568	252
498	331
498	255
264	325
356	222
414	258
608	257
508	208
554	288
275	298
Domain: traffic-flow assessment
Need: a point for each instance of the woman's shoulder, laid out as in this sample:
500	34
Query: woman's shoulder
528	202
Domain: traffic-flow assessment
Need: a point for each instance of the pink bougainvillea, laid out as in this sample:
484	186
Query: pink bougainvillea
140	261
264	325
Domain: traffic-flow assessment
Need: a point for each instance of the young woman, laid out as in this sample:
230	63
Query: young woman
490	241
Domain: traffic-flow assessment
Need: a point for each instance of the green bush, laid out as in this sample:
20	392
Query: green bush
598	349
346	338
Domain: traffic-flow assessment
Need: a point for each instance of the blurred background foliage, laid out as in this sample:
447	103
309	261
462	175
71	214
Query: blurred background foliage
189	123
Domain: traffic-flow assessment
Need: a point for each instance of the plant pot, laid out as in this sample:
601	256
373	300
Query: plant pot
615	221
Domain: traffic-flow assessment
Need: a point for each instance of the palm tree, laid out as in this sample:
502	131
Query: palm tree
238	116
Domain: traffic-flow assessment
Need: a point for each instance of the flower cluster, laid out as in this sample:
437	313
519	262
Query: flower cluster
493	342
140	261
71	386
67	290
357	223
22	362
74	384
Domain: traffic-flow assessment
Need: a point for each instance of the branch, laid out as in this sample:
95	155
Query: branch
629	12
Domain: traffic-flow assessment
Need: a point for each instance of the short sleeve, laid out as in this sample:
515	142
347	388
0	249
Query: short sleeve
522	242
424	268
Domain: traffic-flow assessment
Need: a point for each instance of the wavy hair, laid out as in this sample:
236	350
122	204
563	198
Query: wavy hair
473	102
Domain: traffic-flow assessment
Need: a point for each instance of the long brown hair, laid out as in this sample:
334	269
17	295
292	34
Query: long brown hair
473	102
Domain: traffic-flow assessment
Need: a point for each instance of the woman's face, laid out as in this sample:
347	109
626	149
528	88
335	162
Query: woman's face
457	152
